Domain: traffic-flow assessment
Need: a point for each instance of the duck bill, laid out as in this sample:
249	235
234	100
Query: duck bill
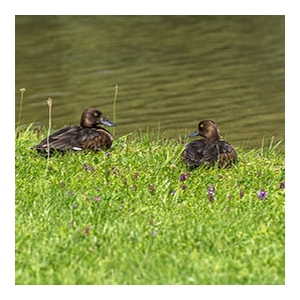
108	123
195	133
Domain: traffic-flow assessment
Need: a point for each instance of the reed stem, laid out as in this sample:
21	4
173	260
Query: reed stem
49	103
22	90
114	107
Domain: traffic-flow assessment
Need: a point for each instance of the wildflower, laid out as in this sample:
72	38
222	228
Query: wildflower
114	170
107	154
86	230
183	187
151	187
96	198
88	168
211	193
75	206
282	185
184	177
262	194
173	193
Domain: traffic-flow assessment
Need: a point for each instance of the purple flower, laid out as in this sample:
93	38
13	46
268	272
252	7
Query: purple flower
107	154
211	190
211	193
181	177
88	168
86	230
96	198
282	185
184	177
262	194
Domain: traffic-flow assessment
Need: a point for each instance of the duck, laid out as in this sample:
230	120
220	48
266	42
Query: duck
211	150
86	136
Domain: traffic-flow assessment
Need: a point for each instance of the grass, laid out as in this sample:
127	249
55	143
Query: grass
136	215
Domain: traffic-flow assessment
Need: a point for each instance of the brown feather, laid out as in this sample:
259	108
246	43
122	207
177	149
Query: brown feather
210	150
89	135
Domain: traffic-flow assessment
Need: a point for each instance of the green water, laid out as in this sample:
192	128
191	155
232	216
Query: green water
171	71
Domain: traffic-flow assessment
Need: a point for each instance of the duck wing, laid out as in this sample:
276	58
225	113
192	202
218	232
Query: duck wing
93	138
77	138
227	154
199	152
62	139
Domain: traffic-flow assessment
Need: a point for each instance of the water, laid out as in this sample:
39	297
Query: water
171	71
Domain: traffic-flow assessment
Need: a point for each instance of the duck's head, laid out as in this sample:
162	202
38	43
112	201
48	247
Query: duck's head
92	117
208	129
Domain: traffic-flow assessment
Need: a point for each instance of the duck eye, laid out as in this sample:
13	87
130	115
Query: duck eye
201	125
95	114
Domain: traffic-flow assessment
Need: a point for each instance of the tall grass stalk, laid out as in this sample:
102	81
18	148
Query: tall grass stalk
264	151
22	90
114	107
49	103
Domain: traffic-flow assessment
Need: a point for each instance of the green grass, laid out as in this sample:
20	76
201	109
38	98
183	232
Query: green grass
126	218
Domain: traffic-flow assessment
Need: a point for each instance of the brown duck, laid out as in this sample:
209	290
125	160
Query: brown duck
88	135
210	150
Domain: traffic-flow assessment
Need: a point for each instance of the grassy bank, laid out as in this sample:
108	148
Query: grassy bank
136	215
